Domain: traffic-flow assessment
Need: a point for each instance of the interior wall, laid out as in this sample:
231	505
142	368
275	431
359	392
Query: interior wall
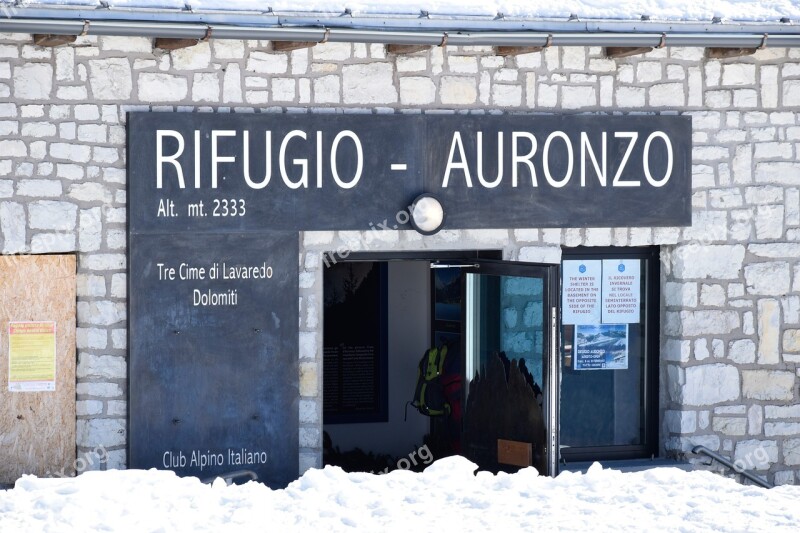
409	337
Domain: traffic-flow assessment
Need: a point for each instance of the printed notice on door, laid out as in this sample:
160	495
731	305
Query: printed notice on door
621	288
31	356
581	295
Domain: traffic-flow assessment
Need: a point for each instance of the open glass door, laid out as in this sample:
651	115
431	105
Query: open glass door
510	382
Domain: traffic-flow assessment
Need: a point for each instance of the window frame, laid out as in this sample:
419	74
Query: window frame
651	343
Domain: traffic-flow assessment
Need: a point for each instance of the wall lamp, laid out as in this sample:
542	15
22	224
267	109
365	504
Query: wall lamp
427	214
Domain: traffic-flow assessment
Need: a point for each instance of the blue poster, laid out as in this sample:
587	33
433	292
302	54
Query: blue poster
601	347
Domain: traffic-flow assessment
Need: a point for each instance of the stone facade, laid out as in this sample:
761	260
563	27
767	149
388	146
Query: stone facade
730	282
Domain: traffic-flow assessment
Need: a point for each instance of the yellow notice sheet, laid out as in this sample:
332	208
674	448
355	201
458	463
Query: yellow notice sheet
31	356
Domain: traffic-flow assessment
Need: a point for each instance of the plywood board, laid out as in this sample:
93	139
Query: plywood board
37	429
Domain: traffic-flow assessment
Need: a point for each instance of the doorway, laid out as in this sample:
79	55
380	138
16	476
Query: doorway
494	320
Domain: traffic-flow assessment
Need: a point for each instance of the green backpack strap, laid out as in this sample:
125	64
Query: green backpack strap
429	396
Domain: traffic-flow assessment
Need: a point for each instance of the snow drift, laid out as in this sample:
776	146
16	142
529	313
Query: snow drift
447	496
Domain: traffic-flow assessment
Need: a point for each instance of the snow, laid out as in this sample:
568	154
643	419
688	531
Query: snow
674	10
447	496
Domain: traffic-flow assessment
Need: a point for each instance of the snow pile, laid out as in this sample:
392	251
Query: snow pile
446	497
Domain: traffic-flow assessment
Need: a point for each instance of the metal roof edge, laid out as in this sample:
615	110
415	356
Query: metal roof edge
395	22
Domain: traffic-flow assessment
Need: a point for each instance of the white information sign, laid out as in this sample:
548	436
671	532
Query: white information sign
621	291
580	300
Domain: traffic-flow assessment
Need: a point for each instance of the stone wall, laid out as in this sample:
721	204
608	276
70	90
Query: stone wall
731	282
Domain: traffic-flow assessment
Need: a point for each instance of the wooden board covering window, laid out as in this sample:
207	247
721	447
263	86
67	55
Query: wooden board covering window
37	429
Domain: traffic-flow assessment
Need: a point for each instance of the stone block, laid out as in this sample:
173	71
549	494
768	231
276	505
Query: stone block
506	95
769	323
791	452
768	279
192	57
39	188
52	243
739	74
119	339
110	79
578	96
90	192
99	390
33	81
72	152
159	87
729	425
417	91
776	250
103	261
573	57
458	64
755	420
778	172
232	84
782	411
88	407
791	340
791	93
693	323
332	51
91	338
89	285
228	48
768	384
13	148
308	379
101	366
53	215
309	414
308	345
327	90
205	87
101	313
756	454
371	83
712	295
667	95
710	384
693	261
769	221
106	432
742	351
457	90
778	429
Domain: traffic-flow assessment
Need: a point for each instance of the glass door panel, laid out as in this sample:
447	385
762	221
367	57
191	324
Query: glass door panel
508	333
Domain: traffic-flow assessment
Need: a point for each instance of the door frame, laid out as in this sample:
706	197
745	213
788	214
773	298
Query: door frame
652	358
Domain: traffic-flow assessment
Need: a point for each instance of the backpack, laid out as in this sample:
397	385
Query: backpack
429	396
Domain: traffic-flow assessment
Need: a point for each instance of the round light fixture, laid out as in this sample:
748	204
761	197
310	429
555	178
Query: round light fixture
427	214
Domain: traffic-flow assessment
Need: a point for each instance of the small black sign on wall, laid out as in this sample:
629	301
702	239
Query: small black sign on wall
355	350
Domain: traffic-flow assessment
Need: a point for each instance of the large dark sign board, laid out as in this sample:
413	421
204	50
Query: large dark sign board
213	353
216	202
353	172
